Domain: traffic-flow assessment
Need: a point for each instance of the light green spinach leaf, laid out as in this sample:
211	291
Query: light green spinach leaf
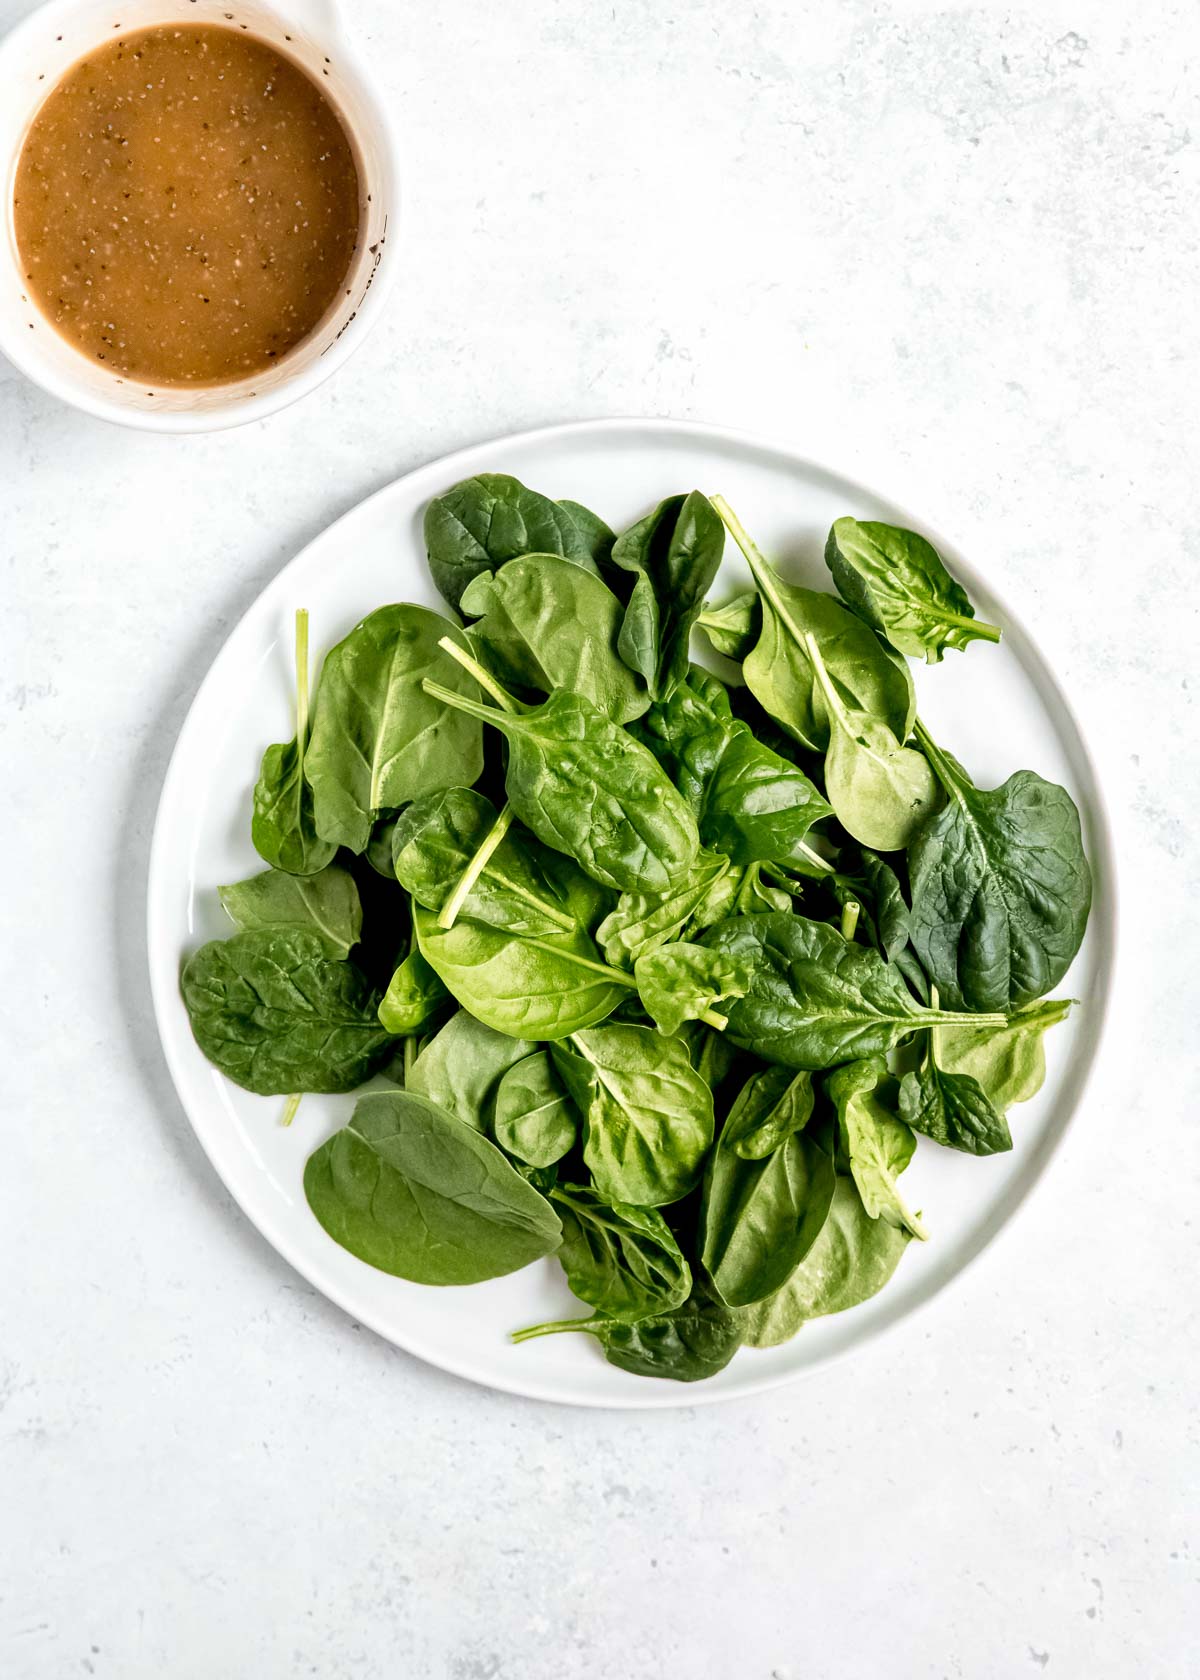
879	1145
534	1118
326	903
851	1260
648	1115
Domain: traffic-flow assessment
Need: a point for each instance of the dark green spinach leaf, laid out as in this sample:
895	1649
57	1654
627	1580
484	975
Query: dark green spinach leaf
688	1344
622	1260
282	828
951	1108
897	584
544	623
484	521
437	837
673	554
277	1014
379	739
1001	888
415	1192
814	1000
762	1213
588	789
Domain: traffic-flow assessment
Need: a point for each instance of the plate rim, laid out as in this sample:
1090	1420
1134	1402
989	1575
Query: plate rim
1104	927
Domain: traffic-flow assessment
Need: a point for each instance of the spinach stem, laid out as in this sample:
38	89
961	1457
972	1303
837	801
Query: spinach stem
483	677
850	922
552	1329
754	555
410	1056
612	974
977	627
448	914
301	681
814	857
460	703
289	1109
711	1019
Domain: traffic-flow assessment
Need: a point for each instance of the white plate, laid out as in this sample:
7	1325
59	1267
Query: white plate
998	708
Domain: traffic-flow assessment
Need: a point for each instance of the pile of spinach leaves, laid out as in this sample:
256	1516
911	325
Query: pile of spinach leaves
655	972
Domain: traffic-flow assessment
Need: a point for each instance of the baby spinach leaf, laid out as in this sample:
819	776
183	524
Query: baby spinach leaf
879	1145
379	847
594	539
749	802
643	921
282	827
461	1067
436	838
761	1214
734	628
851	1260
951	1108
881	790
758	807
533	1118
743	892
326	903
491	518
688	1344
681	982
622	1260
774	1104
415	1192
379	739
277	1014
413	997
1001	887
541	987
897	584
544	623
889	912
814	1000
869	677
648	1115
674	555
588	789
1009	1062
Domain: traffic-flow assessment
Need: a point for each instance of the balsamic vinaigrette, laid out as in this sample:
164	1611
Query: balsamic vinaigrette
186	205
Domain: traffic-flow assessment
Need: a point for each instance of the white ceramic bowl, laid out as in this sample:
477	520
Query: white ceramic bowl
33	58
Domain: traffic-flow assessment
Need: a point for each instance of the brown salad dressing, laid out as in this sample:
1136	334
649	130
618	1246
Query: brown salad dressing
186	205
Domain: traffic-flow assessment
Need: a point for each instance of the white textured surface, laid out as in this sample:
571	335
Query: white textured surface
953	248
